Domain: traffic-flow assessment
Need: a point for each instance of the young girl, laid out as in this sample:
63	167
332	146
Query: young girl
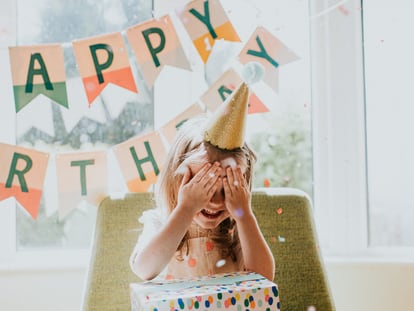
204	223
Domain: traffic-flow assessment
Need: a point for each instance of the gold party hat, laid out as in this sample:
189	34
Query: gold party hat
225	129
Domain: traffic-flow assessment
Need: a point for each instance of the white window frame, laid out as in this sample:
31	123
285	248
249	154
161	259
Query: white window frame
338	117
339	137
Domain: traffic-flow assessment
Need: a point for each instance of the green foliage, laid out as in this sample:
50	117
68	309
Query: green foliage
284	153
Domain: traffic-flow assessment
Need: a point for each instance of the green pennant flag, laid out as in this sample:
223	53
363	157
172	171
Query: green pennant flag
38	70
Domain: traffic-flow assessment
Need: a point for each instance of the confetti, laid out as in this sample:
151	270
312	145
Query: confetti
343	10
266	182
281	239
287	178
209	246
220	263
192	262
239	213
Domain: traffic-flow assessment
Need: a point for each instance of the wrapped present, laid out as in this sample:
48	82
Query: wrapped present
236	291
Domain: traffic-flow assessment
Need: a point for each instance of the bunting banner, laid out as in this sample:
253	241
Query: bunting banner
155	44
102	60
223	87
22	173
38	70
170	129
140	159
80	177
206	21
269	51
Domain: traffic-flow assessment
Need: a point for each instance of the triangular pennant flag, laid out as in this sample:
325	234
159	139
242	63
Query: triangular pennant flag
223	87
205	22
80	177
269	51
155	44
102	60
170	129
38	70
141	159
22	174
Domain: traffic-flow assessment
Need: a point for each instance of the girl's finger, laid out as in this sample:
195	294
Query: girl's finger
232	179
212	174
186	177
211	179
226	187
202	172
239	177
211	189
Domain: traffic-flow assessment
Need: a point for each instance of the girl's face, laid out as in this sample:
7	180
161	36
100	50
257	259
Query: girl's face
216	211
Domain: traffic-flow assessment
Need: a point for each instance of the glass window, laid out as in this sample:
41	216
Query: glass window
59	130
388	70
281	137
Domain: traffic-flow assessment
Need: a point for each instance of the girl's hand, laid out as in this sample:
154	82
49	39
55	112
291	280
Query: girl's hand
237	194
196	192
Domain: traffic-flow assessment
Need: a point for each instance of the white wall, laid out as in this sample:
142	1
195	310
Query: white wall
355	286
372	286
41	290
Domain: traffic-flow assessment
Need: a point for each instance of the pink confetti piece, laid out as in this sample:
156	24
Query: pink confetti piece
343	10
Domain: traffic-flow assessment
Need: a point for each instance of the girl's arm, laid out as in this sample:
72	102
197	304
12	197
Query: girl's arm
154	257
257	255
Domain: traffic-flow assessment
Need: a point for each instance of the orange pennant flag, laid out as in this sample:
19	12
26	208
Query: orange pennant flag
141	159
223	87
155	44
22	174
269	51
170	129
81	176
102	60
205	22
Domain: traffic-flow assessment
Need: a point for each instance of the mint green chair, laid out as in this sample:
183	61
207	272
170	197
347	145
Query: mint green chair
284	215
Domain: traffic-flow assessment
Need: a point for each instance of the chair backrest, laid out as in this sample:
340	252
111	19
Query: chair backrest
285	218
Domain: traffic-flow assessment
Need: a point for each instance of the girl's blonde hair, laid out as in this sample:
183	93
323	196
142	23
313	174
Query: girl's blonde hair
187	149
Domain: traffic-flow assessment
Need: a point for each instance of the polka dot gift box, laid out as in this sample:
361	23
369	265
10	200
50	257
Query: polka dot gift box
239	291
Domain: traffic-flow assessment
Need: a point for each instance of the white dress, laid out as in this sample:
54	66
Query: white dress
202	258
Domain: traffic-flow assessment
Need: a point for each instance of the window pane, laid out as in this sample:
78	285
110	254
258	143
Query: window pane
389	66
281	137
57	129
